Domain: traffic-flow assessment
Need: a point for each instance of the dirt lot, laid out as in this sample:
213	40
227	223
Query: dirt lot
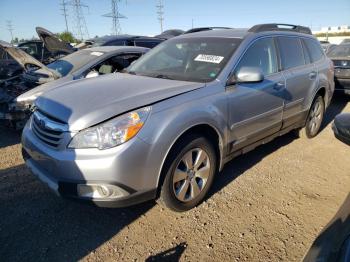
268	205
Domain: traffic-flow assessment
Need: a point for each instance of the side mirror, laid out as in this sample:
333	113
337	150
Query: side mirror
92	74
247	75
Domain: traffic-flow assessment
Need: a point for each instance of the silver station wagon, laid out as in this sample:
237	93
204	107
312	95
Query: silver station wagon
166	126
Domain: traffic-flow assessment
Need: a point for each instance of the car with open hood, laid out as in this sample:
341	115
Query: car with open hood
166	126
17	98
46	50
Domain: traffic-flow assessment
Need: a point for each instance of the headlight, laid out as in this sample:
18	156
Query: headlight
113	132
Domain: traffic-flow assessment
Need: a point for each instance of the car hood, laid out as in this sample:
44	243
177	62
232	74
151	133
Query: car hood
52	43
25	59
87	102
30	96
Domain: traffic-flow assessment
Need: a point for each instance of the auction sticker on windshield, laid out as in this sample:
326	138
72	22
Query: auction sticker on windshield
209	58
96	53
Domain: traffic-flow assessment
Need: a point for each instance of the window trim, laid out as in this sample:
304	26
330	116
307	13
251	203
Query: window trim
247	48
306	51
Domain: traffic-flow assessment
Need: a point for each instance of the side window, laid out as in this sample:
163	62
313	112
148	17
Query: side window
314	49
261	54
116	43
291	52
115	63
30	48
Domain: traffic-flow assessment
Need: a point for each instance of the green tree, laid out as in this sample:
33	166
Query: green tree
15	41
67	37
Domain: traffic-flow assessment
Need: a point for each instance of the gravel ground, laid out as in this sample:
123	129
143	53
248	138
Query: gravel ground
268	205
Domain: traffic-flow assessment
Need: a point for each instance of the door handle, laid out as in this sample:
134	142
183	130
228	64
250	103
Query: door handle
312	75
278	86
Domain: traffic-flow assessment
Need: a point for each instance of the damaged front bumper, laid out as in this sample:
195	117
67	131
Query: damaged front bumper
13	116
16	115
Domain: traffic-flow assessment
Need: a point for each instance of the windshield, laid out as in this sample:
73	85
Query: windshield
340	51
73	62
187	59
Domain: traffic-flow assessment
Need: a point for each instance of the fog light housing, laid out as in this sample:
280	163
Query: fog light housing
100	191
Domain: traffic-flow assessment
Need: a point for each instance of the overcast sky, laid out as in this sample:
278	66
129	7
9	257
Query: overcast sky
142	18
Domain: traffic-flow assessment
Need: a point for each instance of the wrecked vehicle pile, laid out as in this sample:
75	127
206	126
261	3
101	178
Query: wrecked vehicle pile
18	94
14	86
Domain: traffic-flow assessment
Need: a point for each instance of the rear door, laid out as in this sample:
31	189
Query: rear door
255	109
300	77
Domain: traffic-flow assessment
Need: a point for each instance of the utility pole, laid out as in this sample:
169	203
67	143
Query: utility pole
64	10
160	13
81	30
10	28
115	15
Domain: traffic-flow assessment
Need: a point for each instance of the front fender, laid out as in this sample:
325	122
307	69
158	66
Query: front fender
165	127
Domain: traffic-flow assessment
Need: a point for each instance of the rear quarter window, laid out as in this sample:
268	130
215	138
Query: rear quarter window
291	52
314	49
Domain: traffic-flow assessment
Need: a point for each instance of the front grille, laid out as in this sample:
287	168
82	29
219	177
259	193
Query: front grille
341	63
342	73
48	130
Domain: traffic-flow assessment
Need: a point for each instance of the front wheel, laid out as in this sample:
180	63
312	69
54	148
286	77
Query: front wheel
191	168
314	119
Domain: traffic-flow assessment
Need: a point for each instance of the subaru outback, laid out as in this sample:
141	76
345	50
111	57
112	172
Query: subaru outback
166	126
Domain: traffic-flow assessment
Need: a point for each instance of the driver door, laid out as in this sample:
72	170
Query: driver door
255	109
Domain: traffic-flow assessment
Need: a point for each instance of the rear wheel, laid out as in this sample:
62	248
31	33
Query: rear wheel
189	175
314	119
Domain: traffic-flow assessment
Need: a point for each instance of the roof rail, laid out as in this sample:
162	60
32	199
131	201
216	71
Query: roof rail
200	29
280	27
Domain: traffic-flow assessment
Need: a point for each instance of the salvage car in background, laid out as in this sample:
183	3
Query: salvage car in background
9	68
45	50
15	106
167	34
341	127
125	40
340	56
48	48
53	44
36	49
333	243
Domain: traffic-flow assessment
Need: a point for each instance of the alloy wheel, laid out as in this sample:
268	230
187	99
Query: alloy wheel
191	174
315	117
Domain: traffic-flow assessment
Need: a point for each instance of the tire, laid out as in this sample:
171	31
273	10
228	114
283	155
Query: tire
314	119
187	180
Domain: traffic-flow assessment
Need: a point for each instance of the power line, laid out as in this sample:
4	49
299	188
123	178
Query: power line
160	13
81	30
64	12
10	28
115	15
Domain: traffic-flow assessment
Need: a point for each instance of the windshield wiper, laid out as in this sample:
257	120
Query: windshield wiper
163	77
129	72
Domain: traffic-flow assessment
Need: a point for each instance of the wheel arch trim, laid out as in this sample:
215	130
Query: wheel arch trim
220	146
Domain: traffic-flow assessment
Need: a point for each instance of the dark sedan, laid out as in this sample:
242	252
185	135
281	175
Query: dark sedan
341	127
340	56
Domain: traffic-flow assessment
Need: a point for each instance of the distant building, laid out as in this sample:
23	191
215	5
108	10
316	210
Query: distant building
334	29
